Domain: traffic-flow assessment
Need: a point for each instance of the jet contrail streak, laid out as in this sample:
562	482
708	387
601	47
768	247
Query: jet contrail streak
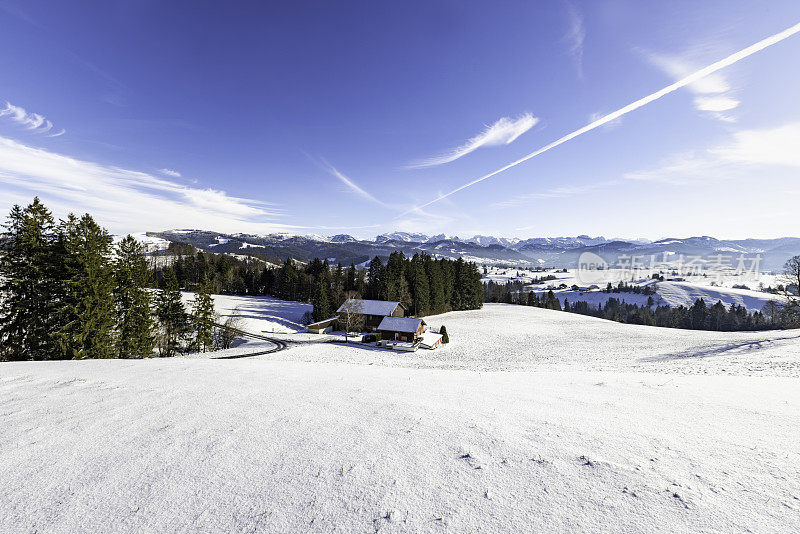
714	67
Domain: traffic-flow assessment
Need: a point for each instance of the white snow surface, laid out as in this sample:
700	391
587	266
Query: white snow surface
530	420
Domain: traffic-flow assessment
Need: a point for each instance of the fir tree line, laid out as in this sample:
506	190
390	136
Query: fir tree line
424	285
68	293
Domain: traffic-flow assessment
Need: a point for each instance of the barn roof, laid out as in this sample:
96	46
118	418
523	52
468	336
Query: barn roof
400	324
429	339
373	307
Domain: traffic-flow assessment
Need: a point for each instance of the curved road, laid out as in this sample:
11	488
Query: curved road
279	345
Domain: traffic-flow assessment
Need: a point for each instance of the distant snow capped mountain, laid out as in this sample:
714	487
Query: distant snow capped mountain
441	237
542	251
342	238
407	237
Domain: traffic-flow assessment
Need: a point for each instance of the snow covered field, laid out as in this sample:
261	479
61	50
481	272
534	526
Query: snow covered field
530	420
669	293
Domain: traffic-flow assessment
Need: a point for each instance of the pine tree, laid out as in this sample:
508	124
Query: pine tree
172	317
203	318
321	300
29	278
421	287
86	314
436	286
134	325
445	337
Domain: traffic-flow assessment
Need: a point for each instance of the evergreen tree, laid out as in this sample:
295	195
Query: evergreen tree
172	317
203	318
321	300
376	286
421	287
445	337
30	273
438	304
86	314
134	326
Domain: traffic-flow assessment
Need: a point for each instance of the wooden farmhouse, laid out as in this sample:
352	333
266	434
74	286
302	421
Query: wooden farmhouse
401	328
373	311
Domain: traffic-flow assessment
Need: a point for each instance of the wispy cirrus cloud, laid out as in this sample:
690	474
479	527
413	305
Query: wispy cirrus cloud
122	199
32	122
575	36
351	185
555	192
503	132
738	154
170	172
712	93
690	79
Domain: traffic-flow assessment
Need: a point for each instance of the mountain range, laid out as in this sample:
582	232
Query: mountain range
538	251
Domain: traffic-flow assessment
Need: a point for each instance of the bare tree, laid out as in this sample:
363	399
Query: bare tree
228	330
352	315
791	272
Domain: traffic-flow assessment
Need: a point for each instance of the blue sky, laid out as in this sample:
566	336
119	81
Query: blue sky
346	117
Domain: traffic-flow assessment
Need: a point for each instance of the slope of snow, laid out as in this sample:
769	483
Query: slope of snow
684	293
260	315
530	420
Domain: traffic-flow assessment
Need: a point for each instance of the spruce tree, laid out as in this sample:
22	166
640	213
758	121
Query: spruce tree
132	301
421	287
321	300
86	313
436	286
29	277
203	318
172	317
445	337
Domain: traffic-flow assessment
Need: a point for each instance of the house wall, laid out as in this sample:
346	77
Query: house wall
401	336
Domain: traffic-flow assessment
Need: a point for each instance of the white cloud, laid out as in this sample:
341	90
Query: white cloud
351	185
124	200
743	151
30	121
575	36
652	97
555	192
715	103
170	172
713	91
503	132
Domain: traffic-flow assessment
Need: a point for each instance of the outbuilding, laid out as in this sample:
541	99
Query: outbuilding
430	340
323	327
401	328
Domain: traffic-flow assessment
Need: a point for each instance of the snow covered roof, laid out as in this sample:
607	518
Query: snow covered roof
400	324
429	338
373	307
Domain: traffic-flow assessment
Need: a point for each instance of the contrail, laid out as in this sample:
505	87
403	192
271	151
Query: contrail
714	67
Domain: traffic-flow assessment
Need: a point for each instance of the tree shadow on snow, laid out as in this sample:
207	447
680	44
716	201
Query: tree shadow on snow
723	349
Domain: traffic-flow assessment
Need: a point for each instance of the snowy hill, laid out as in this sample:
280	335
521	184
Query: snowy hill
562	423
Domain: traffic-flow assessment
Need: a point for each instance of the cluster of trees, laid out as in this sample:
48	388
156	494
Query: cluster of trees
68	293
698	316
624	287
424	285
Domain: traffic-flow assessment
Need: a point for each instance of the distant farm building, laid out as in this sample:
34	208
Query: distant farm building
323	327
373	311
401	328
430	340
